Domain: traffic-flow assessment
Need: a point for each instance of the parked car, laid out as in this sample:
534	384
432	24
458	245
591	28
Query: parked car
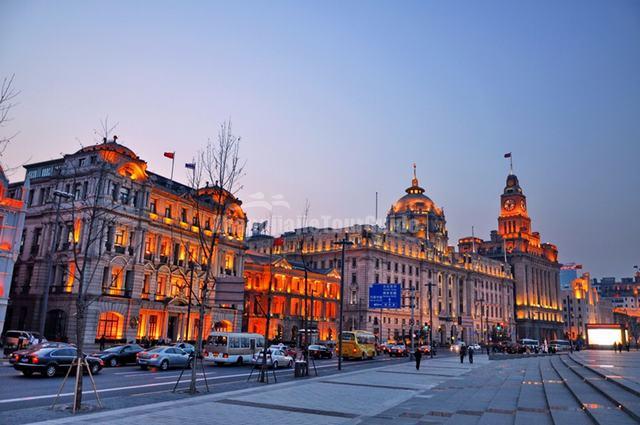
15	356
16	340
163	358
559	345
275	358
119	354
320	352
53	360
188	348
398	350
475	347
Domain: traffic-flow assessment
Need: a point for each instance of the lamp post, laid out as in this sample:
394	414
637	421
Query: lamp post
482	330
343	243
430	285
54	243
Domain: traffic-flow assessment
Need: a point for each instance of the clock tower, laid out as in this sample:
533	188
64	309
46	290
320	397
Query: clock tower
514	219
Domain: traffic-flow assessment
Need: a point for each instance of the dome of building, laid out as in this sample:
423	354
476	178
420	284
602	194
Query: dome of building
415	200
111	146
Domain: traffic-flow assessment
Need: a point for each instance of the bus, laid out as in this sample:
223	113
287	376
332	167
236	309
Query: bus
358	345
531	344
232	347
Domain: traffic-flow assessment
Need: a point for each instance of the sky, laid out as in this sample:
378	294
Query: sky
335	101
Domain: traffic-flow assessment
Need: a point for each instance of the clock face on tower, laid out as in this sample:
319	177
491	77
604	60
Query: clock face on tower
509	204
523	205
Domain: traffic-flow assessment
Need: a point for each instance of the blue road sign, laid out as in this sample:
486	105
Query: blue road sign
384	295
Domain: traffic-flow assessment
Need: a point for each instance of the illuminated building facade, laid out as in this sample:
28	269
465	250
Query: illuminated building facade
293	308
534	265
472	295
581	306
144	256
12	212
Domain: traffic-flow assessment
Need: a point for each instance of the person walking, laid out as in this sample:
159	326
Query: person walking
470	355
463	352
102	342
418	356
488	349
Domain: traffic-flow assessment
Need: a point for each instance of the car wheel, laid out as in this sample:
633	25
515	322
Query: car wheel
275	364
240	361
50	371
164	365
364	356
27	372
95	369
113	362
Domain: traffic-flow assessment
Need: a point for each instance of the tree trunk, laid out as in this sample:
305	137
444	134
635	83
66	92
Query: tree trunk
198	350
80	319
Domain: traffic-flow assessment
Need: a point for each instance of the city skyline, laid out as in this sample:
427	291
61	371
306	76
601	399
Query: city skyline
323	112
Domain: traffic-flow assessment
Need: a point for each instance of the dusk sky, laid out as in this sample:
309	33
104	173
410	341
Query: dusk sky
336	100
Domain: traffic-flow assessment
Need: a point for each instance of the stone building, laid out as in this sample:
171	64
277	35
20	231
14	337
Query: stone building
294	306
471	295
581	305
534	265
12	212
142	249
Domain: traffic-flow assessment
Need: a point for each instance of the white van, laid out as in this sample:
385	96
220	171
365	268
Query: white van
232	347
531	344
560	345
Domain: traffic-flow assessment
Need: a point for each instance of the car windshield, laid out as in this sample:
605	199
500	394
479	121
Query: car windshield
115	349
13	334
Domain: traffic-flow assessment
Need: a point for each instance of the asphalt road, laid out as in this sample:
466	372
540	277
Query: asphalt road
27	399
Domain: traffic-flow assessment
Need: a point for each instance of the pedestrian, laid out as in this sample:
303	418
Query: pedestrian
463	352
418	356
628	346
102	342
470	355
487	349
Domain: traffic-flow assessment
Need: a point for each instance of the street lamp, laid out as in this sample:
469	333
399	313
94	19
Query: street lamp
344	243
60	195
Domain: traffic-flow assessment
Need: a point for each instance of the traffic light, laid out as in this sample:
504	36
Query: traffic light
499	327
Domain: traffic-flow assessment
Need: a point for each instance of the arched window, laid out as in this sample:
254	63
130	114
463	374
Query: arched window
110	325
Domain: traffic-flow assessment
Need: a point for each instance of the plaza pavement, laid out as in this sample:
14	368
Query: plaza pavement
541	390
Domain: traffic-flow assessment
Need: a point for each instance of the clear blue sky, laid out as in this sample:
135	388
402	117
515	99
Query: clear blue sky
335	101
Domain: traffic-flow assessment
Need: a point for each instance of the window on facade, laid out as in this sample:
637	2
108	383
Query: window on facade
183	215
167	211
110	325
353	278
353	262
125	194
121	237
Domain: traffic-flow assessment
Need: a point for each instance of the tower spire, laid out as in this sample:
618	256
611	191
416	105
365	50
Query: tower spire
414	182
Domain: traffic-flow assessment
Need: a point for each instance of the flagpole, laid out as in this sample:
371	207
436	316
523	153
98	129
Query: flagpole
173	160
511	163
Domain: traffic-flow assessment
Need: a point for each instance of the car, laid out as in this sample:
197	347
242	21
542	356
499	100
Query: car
398	350
457	346
289	351
186	347
275	358
16	340
163	358
424	349
119	354
475	347
53	360
15	356
320	352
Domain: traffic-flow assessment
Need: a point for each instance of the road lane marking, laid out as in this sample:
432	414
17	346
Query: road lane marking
156	384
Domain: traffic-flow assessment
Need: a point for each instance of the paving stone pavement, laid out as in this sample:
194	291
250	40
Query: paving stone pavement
540	390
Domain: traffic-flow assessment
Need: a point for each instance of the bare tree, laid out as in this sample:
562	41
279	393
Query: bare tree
218	166
7	97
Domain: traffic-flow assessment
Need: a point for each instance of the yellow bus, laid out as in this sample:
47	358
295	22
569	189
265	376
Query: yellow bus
358	345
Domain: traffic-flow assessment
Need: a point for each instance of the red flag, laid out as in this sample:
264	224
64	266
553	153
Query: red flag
278	242
169	154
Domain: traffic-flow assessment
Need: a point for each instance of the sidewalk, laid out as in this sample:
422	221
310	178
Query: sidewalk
353	397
